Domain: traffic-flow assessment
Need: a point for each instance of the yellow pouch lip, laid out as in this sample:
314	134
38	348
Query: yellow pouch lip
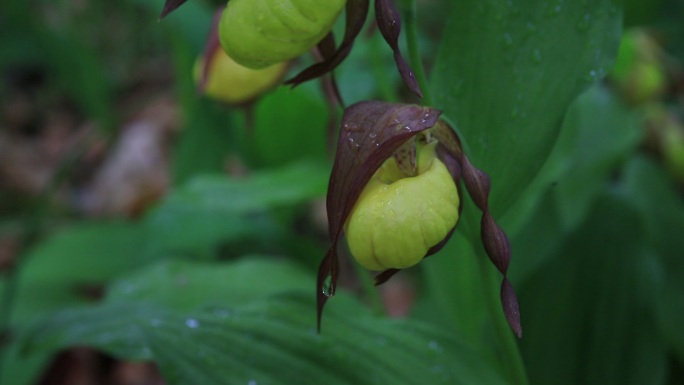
396	221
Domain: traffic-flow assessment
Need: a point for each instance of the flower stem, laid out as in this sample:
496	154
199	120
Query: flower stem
408	10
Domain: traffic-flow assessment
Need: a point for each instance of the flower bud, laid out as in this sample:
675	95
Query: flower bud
259	33
397	219
232	83
639	74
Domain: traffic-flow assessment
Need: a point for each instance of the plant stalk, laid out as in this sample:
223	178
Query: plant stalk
408	10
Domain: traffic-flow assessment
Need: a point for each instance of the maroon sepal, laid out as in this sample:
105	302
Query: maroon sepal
494	239
170	6
357	11
389	23
370	133
211	48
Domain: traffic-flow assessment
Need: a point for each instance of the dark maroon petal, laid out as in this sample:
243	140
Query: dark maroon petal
389	23
384	276
448	139
510	306
170	6
477	183
370	133
211	48
494	239
326	283
357	11
495	243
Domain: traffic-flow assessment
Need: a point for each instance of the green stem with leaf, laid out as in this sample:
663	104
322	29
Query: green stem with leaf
513	362
408	11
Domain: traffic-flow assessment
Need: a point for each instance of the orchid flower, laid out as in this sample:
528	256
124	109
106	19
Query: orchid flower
395	194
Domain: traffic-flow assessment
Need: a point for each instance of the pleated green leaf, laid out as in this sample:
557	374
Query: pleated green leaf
507	71
589	311
213	208
662	210
253	321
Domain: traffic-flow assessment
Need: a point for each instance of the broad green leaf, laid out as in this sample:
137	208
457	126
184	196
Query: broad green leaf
508	70
662	210
588	312
269	342
210	209
17	369
185	285
64	268
289	125
598	134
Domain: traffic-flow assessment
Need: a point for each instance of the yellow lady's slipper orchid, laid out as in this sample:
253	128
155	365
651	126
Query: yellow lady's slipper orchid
397	219
260	33
394	194
233	83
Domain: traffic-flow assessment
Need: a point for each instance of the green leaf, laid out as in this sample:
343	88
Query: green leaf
211	208
588	312
662	210
506	73
222	324
289	125
186	285
64	268
599	133
269	342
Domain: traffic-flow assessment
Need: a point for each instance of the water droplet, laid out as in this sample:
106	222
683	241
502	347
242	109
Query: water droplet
328	289
251	382
155	322
192	323
434	345
558	9
536	56
353	143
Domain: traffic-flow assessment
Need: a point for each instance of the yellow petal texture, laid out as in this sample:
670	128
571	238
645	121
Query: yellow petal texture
258	33
232	83
395	222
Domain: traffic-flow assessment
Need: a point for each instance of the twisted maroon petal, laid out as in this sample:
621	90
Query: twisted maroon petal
170	6
494	239
357	11
389	23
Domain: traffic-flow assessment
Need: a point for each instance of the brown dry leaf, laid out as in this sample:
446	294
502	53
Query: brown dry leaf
136	171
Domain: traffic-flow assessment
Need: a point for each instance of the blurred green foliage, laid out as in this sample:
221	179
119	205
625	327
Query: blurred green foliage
215	282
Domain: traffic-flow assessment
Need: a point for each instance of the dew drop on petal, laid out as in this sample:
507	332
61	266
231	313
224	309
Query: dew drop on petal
327	288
